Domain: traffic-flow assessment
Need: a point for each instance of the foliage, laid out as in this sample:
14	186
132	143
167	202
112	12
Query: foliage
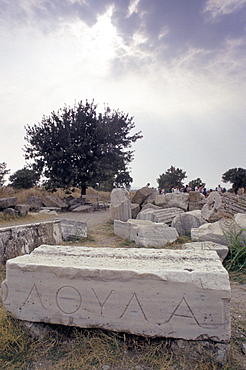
236	176
196	182
3	172
236	258
172	177
24	179
79	147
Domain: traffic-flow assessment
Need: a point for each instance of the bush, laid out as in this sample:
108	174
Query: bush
236	258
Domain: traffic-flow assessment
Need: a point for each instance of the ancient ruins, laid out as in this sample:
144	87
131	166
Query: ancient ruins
182	294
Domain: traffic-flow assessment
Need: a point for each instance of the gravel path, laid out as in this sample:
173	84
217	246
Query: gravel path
91	218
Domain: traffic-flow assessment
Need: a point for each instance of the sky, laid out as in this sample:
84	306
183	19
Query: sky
178	67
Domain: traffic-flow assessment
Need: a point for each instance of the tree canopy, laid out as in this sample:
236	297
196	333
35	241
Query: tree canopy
237	177
3	172
24	179
196	182
172	177
79	147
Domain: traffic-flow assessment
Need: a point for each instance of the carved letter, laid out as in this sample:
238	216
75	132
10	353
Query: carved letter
34	293
183	310
134	295
103	303
68	299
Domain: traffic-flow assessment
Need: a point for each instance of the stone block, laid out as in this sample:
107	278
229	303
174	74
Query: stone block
54	201
192	206
83	209
171	200
10	211
8	202
195	196
35	203
120	207
163	215
142	195
147	292
73	229
154	235
221	249
135	209
22	209
223	230
22	239
185	221
145	233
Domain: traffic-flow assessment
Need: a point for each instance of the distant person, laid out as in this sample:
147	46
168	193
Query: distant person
219	188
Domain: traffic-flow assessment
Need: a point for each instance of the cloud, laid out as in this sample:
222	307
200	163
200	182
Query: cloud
218	8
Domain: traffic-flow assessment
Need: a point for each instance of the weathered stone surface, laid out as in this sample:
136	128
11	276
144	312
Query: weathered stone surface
145	233
10	211
152	206
159	215
83	209
22	239
211	232
120	207
221	231
128	230
35	203
221	249
135	209
155	235
22	209
8	202
197	205
73	229
178	200
185	221
54	201
56	209
220	205
195	196
166	293
142	195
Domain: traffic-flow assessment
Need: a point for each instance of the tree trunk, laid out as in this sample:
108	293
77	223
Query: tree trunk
83	189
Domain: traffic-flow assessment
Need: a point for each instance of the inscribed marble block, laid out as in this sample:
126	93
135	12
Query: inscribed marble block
166	293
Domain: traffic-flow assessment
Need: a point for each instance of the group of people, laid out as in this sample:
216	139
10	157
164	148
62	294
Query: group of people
187	188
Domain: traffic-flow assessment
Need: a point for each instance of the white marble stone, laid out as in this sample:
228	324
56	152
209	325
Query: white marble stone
221	249
149	292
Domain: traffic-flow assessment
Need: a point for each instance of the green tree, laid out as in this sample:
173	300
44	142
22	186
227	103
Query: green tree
3	172
79	147
237	177
24	179
196	182
172	177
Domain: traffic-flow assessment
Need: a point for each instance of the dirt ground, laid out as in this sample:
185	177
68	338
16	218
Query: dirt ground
96	227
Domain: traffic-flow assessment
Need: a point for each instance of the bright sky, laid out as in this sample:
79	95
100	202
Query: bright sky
177	66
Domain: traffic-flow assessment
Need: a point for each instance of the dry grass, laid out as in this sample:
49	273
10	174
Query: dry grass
23	194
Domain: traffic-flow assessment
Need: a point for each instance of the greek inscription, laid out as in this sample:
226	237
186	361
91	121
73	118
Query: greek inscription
33	296
5	291
68	299
184	310
133	298
103	303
